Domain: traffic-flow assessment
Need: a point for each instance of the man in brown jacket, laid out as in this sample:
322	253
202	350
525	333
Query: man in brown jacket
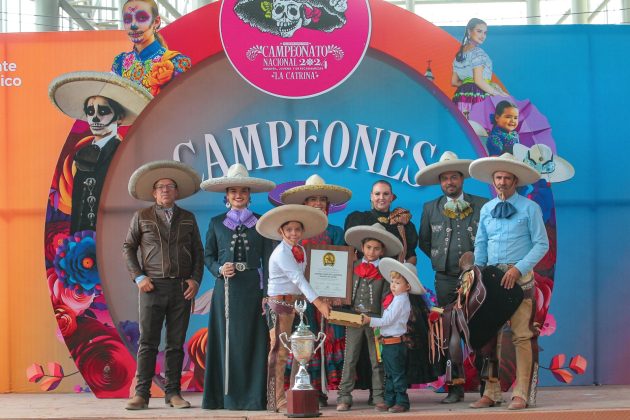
167	271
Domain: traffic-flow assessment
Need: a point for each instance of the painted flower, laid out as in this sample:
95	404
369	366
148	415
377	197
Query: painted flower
197	353
75	299
66	320
549	260
75	262
549	326
128	61
161	74
104	361
137	73
54	234
544	286
131	332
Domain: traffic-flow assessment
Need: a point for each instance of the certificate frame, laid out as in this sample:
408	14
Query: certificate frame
329	271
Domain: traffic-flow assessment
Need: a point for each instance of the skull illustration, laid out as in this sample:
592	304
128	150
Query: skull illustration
288	16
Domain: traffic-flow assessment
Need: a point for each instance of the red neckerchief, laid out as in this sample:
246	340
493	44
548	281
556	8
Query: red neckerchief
388	300
298	253
367	271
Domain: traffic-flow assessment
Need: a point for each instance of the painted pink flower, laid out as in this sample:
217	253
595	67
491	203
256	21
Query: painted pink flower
73	298
544	286
549	326
127	61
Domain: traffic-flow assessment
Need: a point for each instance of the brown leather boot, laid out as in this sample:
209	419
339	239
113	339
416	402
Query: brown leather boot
137	403
178	402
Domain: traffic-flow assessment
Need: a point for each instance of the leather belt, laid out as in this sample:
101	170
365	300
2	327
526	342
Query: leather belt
287	298
390	340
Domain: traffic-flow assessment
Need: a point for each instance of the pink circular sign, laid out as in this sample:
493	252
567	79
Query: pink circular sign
295	48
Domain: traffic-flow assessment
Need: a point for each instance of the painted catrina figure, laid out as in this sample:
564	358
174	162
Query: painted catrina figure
237	255
326	366
150	63
472	69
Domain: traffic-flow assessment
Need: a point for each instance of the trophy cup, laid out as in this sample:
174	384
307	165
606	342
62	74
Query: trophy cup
302	398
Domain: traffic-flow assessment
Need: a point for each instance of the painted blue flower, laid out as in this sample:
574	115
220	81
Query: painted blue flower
130	333
75	262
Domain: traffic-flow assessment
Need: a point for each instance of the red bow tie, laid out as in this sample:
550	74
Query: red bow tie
367	271
388	300
298	253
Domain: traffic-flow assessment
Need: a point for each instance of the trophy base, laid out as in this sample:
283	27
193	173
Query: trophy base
302	403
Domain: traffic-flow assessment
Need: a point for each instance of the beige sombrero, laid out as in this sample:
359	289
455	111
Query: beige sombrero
237	176
552	167
313	220
356	234
430	174
407	270
142	180
315	185
69	91
482	169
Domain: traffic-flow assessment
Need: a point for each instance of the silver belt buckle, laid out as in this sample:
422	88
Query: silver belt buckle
240	266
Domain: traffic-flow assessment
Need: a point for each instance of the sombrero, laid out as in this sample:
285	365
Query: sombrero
482	169
142	180
407	270
315	185
551	167
69	91
313	220
430	174
356	234
237	176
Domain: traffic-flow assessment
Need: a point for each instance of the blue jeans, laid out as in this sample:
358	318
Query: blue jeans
394	361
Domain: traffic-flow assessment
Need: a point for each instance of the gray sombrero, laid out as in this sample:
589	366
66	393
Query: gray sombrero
356	234
552	167
315	185
407	270
142	180
69	91
482	169
430	174
237	176
313	220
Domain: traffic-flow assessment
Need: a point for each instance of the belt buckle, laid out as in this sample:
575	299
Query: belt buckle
240	266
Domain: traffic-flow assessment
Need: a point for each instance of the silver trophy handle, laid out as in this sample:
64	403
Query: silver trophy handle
284	341
321	337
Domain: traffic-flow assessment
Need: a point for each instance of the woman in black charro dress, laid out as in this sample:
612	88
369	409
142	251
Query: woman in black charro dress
236	254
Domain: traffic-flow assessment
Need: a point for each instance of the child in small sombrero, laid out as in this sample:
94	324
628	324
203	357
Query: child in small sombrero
393	324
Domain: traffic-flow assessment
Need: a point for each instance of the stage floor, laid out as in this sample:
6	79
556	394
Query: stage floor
602	402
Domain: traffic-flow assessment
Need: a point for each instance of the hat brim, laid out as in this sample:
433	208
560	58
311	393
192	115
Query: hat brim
313	220
430	174
355	235
334	193
142	180
483	169
563	169
387	265
255	185
69	92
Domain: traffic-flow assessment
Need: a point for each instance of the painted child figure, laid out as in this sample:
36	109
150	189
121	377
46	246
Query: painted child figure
397	308
503	136
368	291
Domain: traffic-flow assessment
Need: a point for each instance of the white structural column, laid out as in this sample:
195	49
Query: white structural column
198	3
626	11
46	16
533	12
410	5
579	11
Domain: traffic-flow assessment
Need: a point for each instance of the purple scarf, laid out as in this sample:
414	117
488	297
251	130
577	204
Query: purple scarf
235	218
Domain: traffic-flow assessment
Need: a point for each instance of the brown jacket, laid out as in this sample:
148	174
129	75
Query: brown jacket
174	251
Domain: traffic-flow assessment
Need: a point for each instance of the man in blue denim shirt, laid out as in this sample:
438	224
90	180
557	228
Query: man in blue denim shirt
512	236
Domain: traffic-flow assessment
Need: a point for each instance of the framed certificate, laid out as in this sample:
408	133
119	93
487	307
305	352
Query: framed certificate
329	271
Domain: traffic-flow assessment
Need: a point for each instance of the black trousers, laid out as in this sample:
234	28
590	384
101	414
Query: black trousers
164	305
445	288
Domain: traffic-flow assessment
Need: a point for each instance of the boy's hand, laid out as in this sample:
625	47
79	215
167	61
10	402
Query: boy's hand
365	320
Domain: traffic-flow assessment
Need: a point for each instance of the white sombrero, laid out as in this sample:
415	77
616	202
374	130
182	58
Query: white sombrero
430	174
315	185
313	220
551	167
142	180
407	270
355	235
482	169
69	91
237	176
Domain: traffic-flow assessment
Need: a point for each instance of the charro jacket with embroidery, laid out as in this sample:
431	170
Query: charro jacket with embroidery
165	251
436	229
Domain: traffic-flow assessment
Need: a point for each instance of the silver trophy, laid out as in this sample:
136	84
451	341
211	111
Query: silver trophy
302	347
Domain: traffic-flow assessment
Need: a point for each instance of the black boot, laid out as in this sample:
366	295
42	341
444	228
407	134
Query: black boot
455	394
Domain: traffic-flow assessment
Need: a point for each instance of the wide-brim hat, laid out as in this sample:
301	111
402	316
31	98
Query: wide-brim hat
551	167
237	176
142	180
313	220
407	270
69	92
483	169
449	162
315	185
355	235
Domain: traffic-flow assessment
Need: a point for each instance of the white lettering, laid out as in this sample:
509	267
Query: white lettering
302	140
345	143
390	152
246	150
273	139
211	143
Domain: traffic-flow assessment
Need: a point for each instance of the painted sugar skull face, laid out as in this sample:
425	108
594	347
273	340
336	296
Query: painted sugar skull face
101	116
288	15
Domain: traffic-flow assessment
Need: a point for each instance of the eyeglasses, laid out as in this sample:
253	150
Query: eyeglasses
166	187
